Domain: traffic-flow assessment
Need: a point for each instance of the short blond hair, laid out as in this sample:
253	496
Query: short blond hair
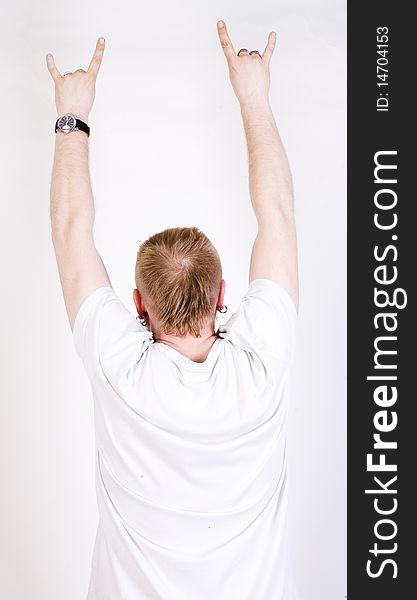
178	273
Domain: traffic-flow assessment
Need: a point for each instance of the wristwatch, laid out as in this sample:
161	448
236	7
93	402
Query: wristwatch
68	123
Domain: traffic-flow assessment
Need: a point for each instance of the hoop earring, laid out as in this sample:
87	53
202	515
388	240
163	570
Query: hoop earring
223	309
141	320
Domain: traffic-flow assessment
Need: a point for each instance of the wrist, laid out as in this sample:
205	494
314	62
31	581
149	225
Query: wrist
72	135
255	105
77	114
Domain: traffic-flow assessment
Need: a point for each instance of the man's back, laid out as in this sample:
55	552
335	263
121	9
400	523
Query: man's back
191	468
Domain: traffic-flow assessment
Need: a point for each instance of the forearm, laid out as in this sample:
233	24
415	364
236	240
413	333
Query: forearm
270	180
71	197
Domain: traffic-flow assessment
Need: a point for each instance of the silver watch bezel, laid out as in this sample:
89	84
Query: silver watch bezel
67	128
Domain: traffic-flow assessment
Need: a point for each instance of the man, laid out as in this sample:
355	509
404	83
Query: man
190	422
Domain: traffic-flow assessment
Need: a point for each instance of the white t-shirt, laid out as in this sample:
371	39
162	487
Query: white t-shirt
190	457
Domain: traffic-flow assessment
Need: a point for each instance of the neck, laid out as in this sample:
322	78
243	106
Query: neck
186	340
189	343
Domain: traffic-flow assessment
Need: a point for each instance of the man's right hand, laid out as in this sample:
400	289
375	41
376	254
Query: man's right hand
249	73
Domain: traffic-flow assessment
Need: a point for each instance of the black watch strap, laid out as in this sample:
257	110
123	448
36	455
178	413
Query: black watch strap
80	125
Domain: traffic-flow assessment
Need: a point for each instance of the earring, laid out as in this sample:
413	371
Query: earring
223	309
141	320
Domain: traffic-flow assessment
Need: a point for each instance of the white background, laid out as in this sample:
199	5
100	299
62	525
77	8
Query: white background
167	149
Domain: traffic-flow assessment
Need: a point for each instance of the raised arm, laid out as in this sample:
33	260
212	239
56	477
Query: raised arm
72	212
274	253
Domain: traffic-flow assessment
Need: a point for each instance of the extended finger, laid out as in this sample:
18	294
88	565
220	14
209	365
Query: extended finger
269	48
95	63
50	63
225	41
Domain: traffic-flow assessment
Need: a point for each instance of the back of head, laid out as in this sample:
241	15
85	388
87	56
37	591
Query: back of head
178	274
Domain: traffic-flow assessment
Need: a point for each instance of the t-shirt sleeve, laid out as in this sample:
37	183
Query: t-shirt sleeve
265	321
107	337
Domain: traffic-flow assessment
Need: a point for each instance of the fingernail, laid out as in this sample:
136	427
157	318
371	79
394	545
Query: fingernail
101	40
220	24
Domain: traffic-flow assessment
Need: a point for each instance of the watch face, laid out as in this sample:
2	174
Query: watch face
66	123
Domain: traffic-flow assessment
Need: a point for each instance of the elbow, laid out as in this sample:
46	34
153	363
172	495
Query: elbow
280	213
73	230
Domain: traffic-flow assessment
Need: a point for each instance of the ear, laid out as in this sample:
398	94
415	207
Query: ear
137	299
220	297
